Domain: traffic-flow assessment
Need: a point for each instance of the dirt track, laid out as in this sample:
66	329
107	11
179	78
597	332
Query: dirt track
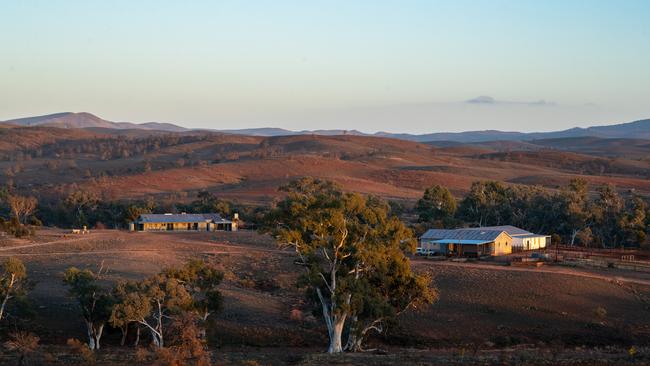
630	278
230	248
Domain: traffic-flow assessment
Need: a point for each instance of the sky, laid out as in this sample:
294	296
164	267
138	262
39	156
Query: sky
397	66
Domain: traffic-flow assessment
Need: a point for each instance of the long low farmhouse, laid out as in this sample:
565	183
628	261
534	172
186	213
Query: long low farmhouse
480	241
183	222
465	242
521	239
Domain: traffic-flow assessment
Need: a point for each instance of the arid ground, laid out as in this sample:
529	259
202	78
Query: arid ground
53	162
486	314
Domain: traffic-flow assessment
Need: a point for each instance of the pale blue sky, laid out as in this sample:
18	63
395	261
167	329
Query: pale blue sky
368	65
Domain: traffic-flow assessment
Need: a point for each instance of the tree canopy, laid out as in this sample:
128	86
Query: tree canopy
13	282
95	302
436	207
343	242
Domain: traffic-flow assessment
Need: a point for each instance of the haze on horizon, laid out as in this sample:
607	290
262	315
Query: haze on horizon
398	66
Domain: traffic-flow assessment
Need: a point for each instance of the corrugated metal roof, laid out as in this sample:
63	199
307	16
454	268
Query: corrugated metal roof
511	230
463	234
215	217
461	241
180	218
533	236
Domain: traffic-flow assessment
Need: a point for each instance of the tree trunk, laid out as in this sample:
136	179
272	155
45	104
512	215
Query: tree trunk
4	303
98	335
7	296
91	338
354	343
160	326
358	332
156	333
94	335
137	337
125	331
155	340
335	333
574	233
352	334
334	324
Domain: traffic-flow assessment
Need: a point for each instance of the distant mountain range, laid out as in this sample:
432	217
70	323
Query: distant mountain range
637	130
88	120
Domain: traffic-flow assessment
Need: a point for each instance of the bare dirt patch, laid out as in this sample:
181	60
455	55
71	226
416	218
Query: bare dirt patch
483	313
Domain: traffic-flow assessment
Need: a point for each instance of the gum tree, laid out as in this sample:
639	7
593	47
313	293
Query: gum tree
150	303
201	281
437	206
94	301
340	240
22	207
13	282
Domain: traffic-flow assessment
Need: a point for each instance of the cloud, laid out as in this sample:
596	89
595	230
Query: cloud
484	99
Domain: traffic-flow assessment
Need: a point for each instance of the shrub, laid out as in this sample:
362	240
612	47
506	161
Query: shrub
247	283
15	228
600	312
187	345
24	344
80	348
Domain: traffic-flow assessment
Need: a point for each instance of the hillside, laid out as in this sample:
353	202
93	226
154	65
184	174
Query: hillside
628	148
87	120
51	161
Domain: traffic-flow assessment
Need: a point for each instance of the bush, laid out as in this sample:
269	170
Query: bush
185	344
266	284
600	312
35	221
15	228
23	344
80	348
556	239
247	283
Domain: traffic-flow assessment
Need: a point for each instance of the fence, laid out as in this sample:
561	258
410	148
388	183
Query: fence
627	254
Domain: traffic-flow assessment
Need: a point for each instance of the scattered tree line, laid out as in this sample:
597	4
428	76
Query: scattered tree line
571	162
571	214
150	304
103	148
20	214
173	307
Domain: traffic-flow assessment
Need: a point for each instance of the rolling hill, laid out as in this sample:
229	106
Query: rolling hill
88	120
49	161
